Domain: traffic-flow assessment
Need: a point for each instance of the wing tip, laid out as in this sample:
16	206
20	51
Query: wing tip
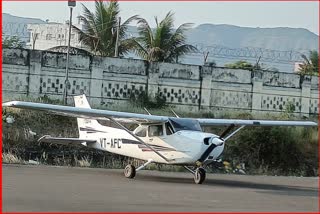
314	124
10	104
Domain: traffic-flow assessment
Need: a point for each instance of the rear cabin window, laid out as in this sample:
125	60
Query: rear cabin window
155	130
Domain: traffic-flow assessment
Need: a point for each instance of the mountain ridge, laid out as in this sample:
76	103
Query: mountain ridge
207	34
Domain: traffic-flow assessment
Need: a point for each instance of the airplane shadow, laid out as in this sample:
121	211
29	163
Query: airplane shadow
259	187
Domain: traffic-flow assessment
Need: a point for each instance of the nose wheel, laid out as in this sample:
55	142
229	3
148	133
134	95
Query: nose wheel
199	175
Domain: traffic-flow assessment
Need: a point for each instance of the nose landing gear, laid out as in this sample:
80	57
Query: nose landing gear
199	174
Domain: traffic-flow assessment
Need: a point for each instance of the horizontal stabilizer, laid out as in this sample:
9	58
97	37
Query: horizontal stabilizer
64	141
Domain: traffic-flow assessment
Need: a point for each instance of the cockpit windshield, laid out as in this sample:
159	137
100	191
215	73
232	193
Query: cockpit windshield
185	124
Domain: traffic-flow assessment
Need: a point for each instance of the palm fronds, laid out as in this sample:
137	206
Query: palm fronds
164	43
99	29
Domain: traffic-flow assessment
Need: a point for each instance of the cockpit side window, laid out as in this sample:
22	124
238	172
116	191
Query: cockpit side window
169	129
141	131
155	130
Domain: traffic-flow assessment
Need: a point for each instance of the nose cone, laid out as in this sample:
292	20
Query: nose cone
216	141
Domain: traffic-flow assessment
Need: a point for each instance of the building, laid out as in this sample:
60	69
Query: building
48	35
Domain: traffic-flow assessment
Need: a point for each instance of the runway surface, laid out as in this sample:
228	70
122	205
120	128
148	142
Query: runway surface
44	188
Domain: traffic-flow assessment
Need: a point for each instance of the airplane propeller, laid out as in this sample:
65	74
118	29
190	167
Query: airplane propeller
214	142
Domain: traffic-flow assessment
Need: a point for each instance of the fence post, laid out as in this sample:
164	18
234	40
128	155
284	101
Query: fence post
305	95
96	81
257	89
153	79
35	69
205	87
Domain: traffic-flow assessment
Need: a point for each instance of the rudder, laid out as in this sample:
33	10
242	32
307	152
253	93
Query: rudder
84	124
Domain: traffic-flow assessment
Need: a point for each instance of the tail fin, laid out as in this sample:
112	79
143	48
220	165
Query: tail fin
84	124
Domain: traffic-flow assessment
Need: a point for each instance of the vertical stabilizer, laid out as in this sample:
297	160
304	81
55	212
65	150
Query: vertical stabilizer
84	124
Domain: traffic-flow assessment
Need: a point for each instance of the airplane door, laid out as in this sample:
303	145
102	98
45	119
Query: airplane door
154	132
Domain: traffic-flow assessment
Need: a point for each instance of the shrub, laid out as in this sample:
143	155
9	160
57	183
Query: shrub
144	100
11	158
283	150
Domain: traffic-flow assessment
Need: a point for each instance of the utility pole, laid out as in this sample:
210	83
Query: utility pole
71	4
116	50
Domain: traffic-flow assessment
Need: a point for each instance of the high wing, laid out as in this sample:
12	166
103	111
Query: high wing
142	118
64	141
86	112
220	122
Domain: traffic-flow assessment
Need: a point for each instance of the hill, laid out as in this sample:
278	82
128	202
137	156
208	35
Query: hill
279	38
17	26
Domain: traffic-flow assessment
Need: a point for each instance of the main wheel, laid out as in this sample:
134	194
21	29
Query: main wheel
199	175
130	171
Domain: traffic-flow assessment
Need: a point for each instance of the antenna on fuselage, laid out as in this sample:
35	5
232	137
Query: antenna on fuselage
147	111
174	113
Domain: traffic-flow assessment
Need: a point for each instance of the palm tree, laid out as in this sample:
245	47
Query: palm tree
99	30
163	43
310	65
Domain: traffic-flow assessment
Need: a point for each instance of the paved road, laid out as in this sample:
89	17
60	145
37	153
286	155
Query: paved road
43	188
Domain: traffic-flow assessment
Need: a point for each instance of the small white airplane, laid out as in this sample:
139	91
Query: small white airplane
157	139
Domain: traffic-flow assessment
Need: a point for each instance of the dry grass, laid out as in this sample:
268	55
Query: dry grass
11	158
84	162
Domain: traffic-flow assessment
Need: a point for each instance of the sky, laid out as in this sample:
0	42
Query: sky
246	14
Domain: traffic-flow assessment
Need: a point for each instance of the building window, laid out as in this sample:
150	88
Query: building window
72	36
48	36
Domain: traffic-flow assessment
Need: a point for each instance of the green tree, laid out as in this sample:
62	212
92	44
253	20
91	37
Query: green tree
12	42
99	31
310	65
164	43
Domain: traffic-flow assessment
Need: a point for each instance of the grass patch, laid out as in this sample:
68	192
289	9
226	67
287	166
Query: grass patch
84	162
11	158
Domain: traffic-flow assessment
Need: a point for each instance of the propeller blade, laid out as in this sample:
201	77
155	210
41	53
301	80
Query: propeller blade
212	146
225	132
207	152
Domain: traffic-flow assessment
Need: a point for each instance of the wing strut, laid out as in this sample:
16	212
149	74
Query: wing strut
233	133
141	141
175	114
225	132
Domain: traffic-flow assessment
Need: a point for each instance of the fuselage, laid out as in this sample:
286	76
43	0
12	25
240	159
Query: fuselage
182	147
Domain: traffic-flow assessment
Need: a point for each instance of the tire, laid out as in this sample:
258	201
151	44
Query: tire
199	175
130	171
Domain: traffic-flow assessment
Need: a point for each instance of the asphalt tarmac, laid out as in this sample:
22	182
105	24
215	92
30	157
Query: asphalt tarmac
57	189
